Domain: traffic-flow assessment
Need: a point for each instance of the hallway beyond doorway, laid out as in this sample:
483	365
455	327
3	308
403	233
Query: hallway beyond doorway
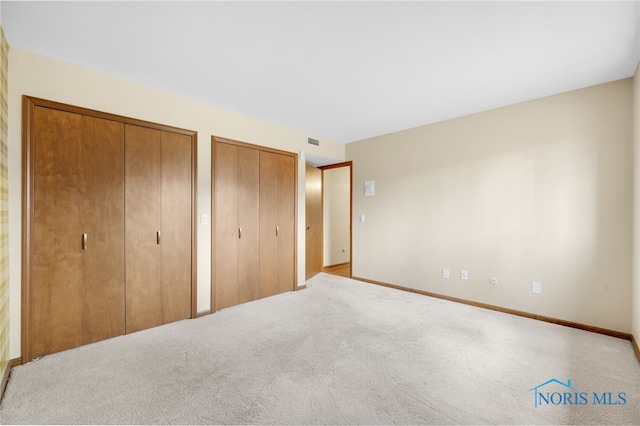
342	270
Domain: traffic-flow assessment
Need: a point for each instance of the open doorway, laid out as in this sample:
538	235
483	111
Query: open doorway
329	213
336	209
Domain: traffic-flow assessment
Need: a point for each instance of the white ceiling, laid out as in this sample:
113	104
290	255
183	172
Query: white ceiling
341	70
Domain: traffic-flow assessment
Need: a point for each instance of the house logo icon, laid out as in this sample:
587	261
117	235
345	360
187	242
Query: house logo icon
546	397
555	392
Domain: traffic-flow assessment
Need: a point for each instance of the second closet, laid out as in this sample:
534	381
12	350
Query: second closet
254	222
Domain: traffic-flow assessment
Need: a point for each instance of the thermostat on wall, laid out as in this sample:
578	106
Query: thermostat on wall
369	188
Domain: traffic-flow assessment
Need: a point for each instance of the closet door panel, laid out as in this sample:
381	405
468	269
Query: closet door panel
176	234
103	222
286	224
249	220
226	231
57	231
268	223
142	222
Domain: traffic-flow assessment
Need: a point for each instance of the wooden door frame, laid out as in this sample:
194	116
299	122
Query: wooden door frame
219	139
337	166
29	104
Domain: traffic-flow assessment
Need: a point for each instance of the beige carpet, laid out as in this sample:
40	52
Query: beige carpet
339	352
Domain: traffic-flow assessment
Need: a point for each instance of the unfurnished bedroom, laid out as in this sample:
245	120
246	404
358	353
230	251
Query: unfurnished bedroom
323	212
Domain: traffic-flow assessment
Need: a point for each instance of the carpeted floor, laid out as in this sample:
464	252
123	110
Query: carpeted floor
339	352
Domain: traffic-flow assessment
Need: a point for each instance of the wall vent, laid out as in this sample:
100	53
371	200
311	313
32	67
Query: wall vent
312	141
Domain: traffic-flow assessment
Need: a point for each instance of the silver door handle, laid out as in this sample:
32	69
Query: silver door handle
85	241
277	230
239	232
158	235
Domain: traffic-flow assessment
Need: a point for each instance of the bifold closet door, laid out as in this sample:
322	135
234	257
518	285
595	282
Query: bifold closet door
236	225
103	220
108	240
277	208
249	220
226	226
158	222
286	223
175	225
77	282
142	248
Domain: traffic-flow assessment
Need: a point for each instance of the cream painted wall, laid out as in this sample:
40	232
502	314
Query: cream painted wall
336	206
38	76
538	191
636	209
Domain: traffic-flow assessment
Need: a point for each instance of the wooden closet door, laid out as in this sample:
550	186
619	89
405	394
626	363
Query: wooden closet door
249	221
103	222
142	222
97	191
286	224
277	223
176	217
56	282
237	238
78	289
268	223
226	226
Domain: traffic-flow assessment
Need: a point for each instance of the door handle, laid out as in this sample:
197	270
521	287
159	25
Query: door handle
158	236
85	241
277	230
239	232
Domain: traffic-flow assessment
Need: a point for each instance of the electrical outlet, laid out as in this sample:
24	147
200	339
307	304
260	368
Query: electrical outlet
464	274
445	274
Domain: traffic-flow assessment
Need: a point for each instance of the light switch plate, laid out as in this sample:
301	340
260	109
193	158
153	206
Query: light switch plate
445	274
204	219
